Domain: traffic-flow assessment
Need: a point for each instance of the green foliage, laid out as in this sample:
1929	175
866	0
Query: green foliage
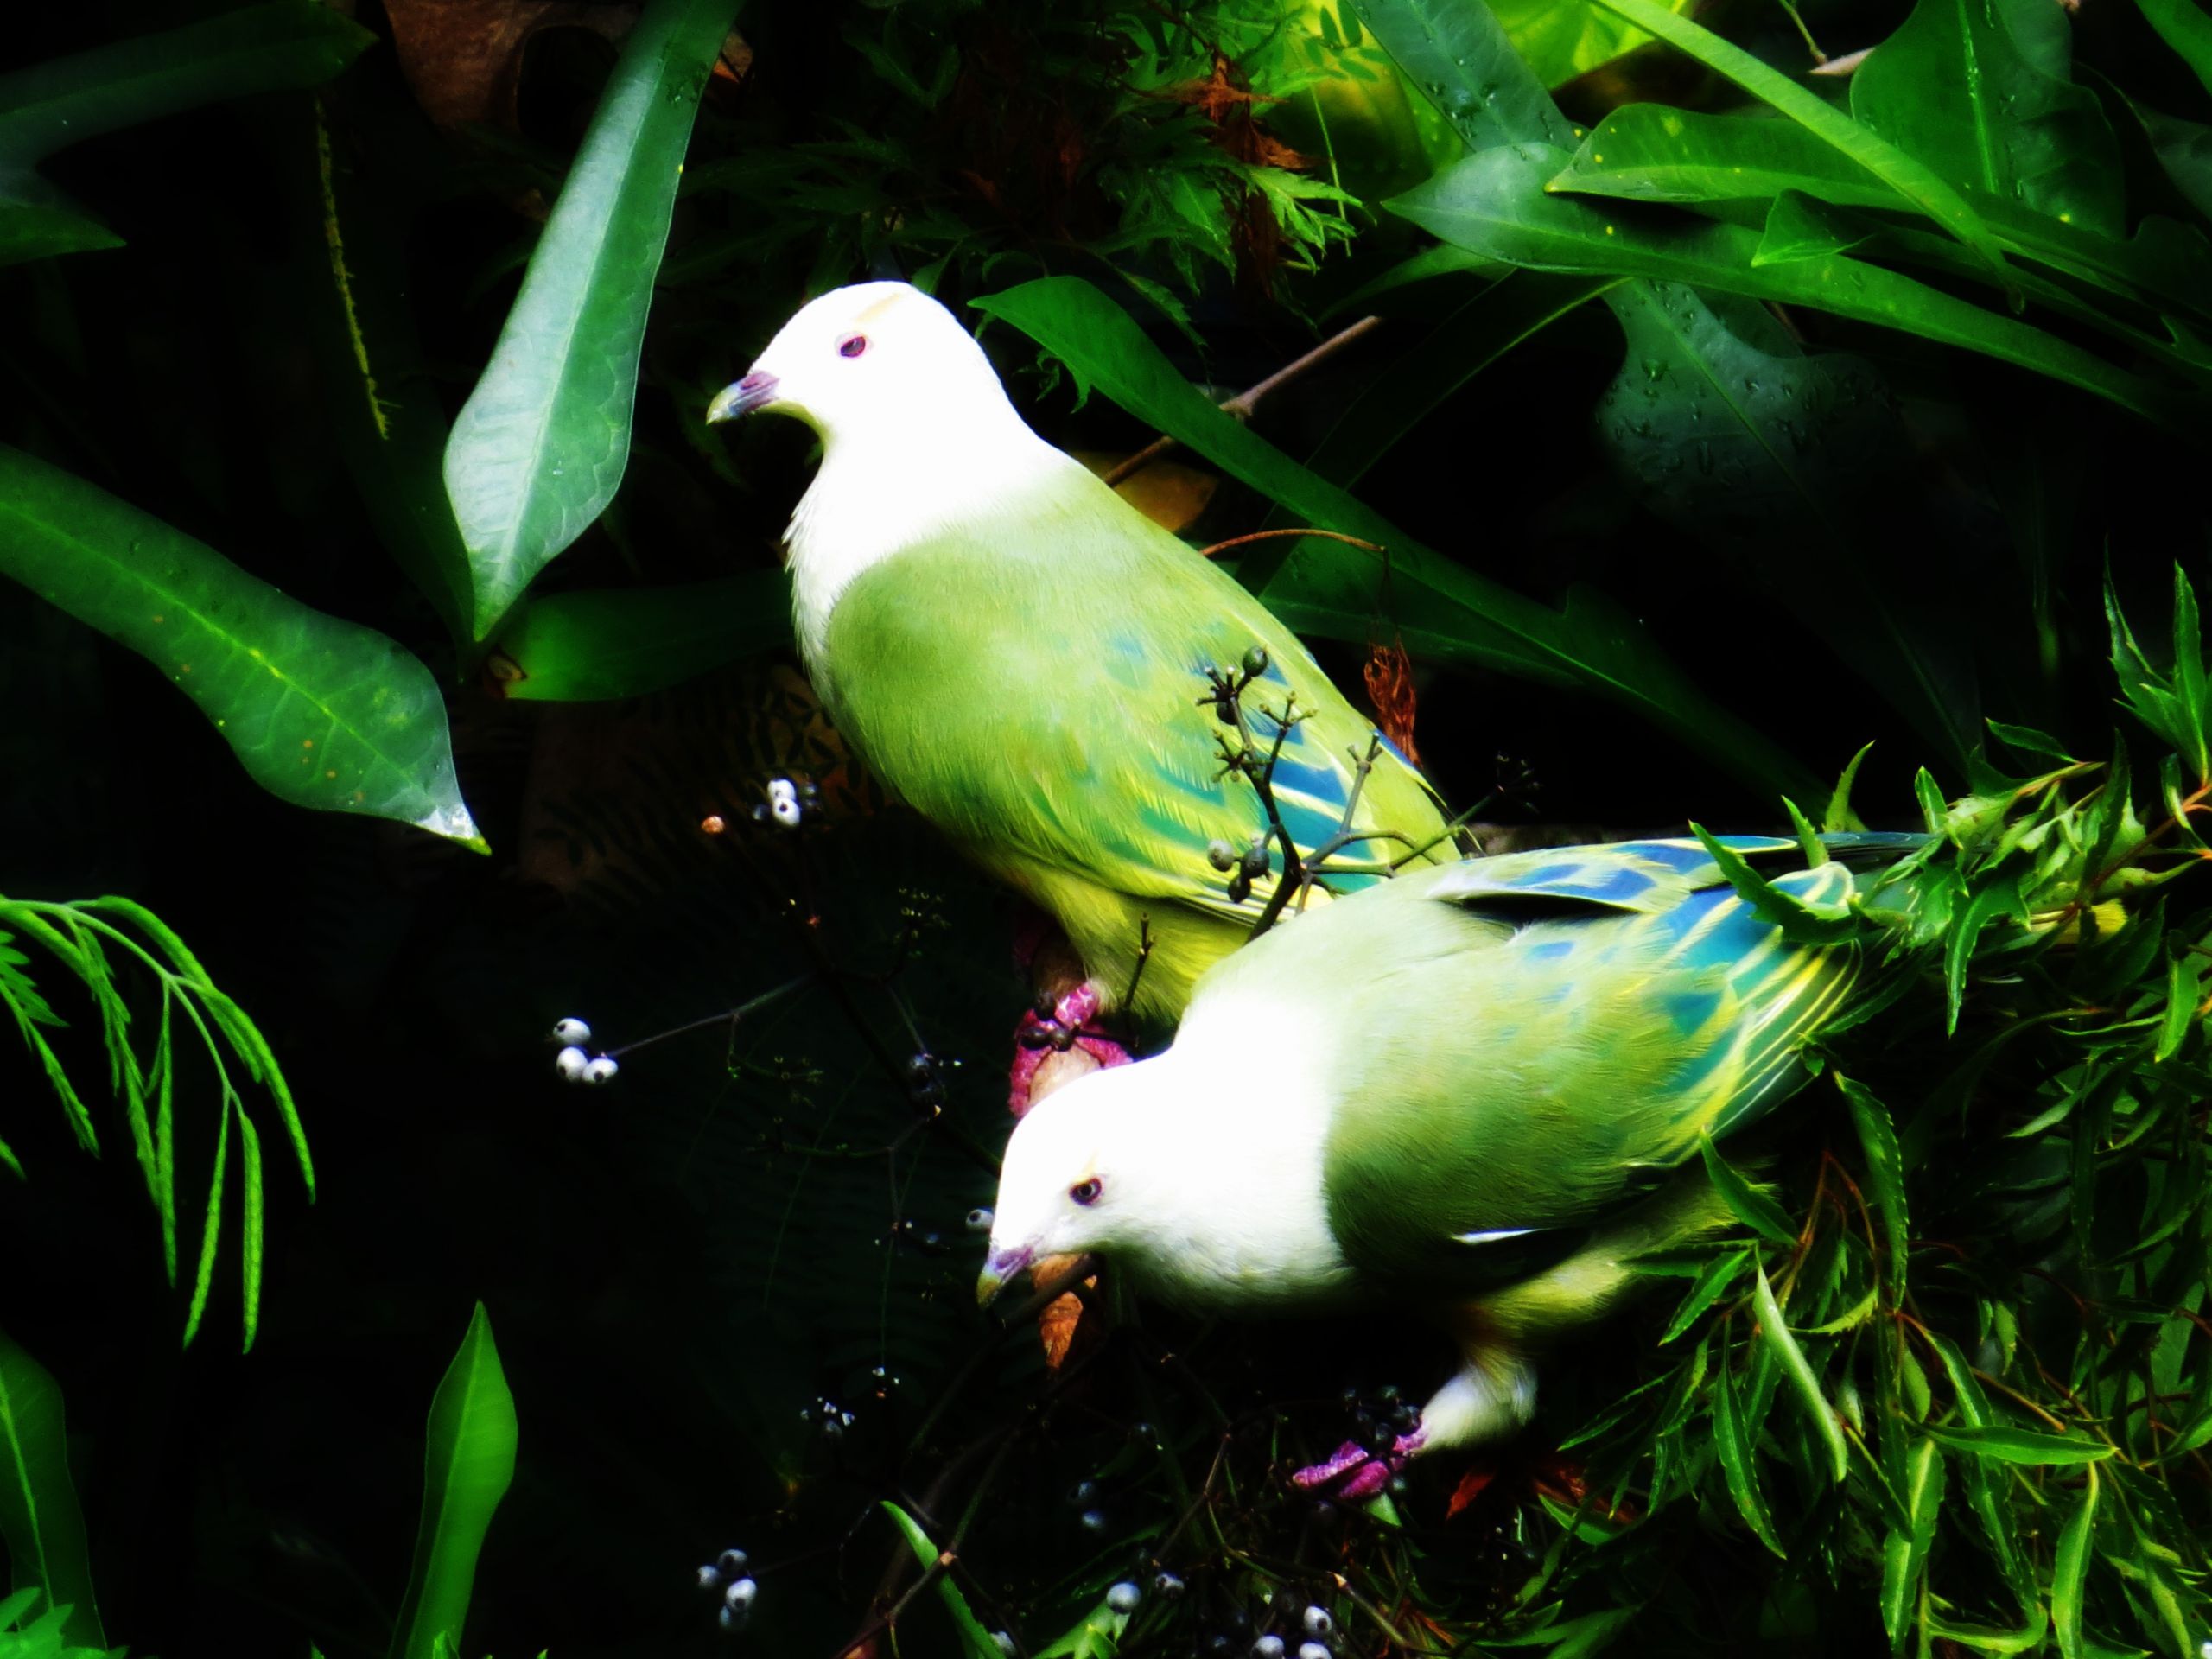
109	945
45	1637
1330	587
467	1465
42	1529
541	446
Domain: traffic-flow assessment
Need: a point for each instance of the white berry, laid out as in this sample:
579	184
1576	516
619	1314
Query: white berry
570	1063
601	1070
571	1031
1123	1596
740	1594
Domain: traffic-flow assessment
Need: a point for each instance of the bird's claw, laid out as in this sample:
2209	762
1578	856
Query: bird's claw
1352	1474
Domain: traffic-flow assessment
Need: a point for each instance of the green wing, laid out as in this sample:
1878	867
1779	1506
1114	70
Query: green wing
1543	1037
1043	705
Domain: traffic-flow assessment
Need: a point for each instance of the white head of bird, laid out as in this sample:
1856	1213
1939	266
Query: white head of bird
917	435
1163	1170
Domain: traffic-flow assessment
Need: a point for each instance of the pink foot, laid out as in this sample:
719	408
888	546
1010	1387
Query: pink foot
1068	1026
1353	1473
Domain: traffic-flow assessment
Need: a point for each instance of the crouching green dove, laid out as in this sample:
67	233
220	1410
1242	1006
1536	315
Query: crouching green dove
1022	657
1476	1091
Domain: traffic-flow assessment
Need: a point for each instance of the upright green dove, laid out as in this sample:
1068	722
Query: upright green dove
1022	657
1475	1091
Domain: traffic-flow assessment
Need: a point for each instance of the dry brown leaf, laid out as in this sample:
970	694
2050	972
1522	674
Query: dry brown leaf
1390	688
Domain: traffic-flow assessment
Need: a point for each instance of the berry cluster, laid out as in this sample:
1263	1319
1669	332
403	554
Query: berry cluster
573	1062
788	803
830	1419
1381	1419
727	1574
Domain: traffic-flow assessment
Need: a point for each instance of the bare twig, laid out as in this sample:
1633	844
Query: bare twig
1245	400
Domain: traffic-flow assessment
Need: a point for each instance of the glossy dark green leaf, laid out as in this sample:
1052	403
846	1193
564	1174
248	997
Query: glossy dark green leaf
1738	1467
1745	1202
286	43
976	1640
469	1463
577	647
1799	1371
41	1525
1447	610
36	229
1726	429
1496	204
1458	52
1654	152
1904	174
321	712
1649	152
1877	1139
1799	226
2001	1443
2069	1572
1905	1552
1710	1286
2184	990
542	443
2185	26
1952	89
2185	151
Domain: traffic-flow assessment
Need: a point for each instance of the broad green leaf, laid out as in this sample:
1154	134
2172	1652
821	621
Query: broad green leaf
1445	609
1650	152
975	1640
1738	1467
322	713
1458	52
2069	1569
1745	1202
1654	152
286	43
1951	88
1495	203
41	1526
36	229
1877	1139
2185	151
540	446
1096	1635
622	642
1800	1373
2185	26
2001	1443
1799	226
1908	177
1562	39
1725	428
467	1466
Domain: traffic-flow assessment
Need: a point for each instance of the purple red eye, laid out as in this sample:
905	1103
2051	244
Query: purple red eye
852	345
1086	1191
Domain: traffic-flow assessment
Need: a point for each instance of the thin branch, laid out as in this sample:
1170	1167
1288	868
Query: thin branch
1245	400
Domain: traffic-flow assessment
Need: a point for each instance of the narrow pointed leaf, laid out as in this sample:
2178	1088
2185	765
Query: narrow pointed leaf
2028	1446
1738	1466
41	1525
286	43
542	443
1877	1139
976	1640
1745	1202
1800	1373
2069	1571
323	713
467	1466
